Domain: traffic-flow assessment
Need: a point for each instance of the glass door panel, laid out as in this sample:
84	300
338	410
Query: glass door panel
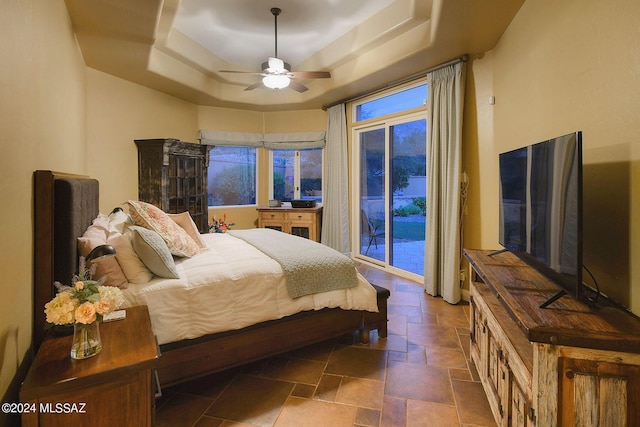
372	193
407	204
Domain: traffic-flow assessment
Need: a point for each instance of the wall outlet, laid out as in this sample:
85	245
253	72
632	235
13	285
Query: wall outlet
462	275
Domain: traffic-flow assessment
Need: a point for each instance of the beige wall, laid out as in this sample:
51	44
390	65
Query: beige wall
118	112
561	67
42	117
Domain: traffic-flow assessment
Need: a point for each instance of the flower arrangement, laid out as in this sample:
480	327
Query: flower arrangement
220	225
84	302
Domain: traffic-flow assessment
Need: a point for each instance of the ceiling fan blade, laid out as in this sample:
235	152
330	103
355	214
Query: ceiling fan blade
298	87
240	72
309	74
255	86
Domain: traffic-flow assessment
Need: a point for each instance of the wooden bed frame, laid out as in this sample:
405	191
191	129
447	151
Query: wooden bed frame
66	204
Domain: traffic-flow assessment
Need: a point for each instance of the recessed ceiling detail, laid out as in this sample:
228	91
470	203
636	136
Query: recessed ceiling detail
239	31
179	46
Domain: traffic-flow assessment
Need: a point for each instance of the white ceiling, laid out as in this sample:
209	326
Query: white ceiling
179	46
241	32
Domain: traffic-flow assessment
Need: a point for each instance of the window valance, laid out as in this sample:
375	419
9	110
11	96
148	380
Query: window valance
272	141
218	137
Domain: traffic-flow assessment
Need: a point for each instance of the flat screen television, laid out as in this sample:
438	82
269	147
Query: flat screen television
541	209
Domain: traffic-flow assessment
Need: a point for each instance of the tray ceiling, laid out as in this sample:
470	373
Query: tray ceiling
178	47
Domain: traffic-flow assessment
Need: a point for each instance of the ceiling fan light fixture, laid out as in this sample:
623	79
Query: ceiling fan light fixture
276	81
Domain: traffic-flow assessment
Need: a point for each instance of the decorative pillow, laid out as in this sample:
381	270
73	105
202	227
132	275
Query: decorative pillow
149	216
117	222
132	266
153	251
99	228
108	267
185	221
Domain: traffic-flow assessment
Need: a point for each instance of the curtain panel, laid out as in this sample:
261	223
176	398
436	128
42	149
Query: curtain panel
444	159
335	212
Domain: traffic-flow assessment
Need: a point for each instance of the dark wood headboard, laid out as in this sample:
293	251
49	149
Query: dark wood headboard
64	206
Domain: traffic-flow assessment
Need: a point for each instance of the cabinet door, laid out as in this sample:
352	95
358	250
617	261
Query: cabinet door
520	415
273	220
477	334
127	399
598	393
302	224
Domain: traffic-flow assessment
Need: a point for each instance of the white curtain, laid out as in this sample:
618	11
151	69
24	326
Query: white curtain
335	186
444	147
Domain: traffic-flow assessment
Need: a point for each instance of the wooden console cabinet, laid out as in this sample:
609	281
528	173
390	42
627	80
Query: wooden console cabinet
303	222
565	365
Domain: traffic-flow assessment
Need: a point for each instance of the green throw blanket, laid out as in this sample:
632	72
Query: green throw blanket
309	267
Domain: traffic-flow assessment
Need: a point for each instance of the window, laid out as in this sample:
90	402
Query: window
296	174
396	102
390	172
232	176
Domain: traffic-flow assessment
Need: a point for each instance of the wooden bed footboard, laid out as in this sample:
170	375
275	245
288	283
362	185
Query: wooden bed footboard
189	359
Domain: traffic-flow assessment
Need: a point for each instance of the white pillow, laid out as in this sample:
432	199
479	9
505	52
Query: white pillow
117	222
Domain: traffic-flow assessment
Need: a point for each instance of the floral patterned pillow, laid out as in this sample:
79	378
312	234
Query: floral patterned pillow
185	221
149	216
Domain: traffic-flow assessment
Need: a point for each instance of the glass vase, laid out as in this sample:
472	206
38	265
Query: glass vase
86	340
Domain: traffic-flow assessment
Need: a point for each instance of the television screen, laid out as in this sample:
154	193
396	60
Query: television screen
541	208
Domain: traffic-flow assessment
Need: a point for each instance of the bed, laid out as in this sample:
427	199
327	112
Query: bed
65	205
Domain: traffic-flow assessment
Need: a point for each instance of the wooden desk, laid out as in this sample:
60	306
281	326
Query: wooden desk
113	388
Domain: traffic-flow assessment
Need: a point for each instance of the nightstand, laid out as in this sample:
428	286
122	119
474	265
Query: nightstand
114	388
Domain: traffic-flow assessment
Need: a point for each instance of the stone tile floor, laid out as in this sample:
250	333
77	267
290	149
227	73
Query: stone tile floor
420	375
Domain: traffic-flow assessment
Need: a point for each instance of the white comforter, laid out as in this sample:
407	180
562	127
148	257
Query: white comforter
230	286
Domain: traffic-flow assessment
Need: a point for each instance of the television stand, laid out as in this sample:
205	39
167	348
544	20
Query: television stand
569	364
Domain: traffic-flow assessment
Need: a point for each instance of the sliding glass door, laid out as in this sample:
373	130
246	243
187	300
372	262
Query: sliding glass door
391	171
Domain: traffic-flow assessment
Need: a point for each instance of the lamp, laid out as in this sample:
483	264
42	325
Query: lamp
275	81
100	253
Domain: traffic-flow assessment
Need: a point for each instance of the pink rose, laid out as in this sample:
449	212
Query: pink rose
85	313
103	307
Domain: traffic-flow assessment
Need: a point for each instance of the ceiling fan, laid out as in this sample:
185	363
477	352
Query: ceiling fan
277	74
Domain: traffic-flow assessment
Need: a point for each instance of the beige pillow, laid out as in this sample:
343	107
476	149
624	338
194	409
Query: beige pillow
185	221
153	251
149	216
132	266
107	268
